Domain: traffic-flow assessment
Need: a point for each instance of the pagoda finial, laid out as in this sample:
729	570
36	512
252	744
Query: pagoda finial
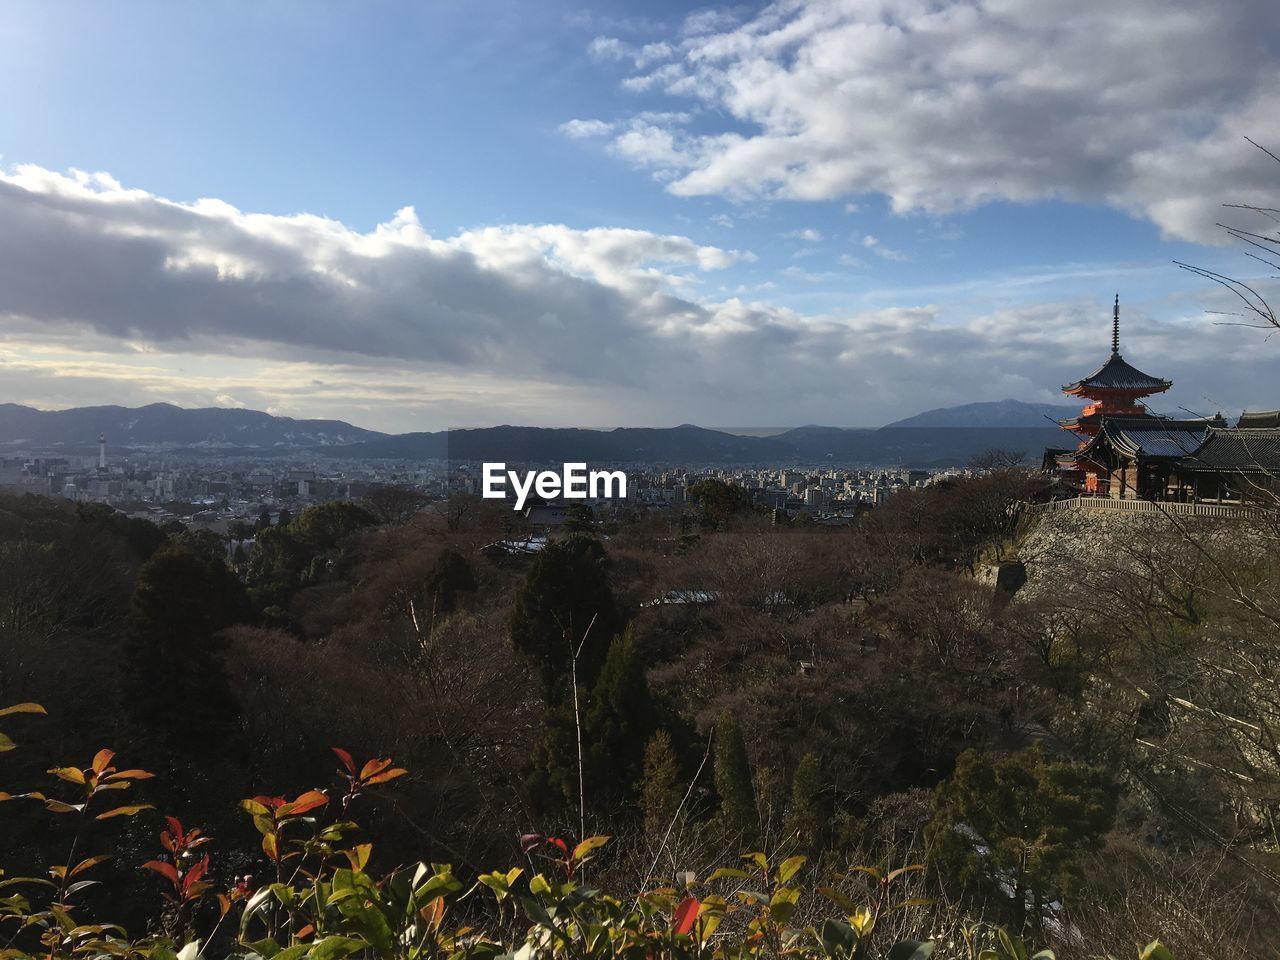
1115	327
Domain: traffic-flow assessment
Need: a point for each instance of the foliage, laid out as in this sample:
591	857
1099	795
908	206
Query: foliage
1016	825
565	615
325	900
172	683
718	501
738	816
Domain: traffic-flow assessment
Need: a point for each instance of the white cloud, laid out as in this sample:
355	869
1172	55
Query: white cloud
585	129
941	106
113	294
873	244
808	234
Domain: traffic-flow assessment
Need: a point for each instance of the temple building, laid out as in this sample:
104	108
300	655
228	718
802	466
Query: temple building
1124	451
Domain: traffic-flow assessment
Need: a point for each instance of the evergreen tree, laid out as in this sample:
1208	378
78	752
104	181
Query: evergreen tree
660	790
805	821
1014	826
738	816
618	718
619	722
264	519
450	575
171	682
566	589
283	519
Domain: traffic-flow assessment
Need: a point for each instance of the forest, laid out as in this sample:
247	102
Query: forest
690	733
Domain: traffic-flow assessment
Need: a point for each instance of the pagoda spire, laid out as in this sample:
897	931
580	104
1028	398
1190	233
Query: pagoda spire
1115	328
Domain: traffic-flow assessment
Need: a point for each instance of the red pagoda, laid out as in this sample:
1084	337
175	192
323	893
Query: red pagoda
1123	450
1115	389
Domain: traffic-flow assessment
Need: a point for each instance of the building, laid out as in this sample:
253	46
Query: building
1124	451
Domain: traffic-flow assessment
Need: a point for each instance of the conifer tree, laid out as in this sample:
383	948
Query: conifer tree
738	816
619	722
1014	826
171	681
565	604
660	785
803	827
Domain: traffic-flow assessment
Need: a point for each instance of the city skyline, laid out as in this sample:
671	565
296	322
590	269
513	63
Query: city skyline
414	218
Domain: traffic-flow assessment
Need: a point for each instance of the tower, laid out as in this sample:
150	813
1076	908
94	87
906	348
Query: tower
1115	388
102	451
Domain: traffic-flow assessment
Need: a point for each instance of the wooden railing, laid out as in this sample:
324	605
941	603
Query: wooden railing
1147	506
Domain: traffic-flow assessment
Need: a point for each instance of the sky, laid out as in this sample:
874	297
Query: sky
422	215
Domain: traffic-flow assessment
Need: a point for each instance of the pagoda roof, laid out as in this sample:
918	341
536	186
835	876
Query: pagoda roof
1149	437
1237	449
1118	374
1259	418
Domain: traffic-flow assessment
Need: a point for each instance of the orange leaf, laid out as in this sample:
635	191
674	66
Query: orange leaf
23	708
386	775
346	758
69	774
127	811
308	801
101	759
89	862
130	775
373	767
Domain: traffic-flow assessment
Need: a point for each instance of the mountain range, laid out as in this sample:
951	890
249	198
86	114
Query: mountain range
934	438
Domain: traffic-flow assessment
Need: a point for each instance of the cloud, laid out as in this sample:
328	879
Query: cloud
873	244
808	234
944	106
585	129
109	293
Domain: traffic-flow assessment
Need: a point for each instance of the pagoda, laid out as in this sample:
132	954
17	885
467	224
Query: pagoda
1115	388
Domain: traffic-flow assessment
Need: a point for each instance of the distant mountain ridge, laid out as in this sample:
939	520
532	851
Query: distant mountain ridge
997	413
941	437
159	424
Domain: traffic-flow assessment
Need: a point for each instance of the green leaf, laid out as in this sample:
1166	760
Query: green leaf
788	869
911	950
723	872
6	744
587	846
838	938
1155	950
335	947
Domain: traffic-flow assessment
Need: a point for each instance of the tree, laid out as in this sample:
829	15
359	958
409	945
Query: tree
738	816
618	724
718	501
325	525
171	681
449	576
394	504
1019	824
617	719
660	785
805	822
565	606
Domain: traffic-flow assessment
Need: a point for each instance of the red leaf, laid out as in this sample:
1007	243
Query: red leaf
175	828
686	914
564	847
346	759
195	873
166	870
530	841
